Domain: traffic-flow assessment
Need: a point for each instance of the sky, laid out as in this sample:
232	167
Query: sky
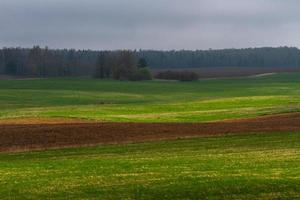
149	24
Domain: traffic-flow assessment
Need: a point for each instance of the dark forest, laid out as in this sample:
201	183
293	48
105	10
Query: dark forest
45	62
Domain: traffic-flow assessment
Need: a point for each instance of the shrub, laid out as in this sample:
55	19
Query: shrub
141	74
178	75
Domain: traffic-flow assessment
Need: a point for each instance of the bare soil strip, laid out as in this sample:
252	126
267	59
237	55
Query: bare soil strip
42	121
26	136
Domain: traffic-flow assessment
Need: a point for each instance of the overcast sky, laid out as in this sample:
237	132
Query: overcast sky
149	24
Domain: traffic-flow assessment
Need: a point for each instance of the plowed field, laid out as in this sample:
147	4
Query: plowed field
22	135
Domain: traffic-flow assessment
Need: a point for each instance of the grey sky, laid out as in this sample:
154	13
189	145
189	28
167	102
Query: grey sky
149	24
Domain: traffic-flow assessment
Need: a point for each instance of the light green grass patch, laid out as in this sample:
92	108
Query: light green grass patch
150	101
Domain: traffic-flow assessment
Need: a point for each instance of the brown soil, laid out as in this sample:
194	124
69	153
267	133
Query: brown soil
41	121
43	135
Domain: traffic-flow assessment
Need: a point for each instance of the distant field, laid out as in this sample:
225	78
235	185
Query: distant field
265	166
221	72
150	101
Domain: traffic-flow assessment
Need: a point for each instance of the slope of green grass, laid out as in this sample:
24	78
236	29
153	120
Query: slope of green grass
227	167
150	101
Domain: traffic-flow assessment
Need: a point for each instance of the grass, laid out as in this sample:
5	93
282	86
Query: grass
259	166
150	101
254	166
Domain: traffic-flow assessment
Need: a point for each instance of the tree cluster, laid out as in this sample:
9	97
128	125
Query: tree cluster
121	65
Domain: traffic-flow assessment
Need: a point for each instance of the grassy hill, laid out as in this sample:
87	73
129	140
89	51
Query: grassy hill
150	101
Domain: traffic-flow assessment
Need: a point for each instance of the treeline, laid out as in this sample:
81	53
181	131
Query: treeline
251	57
44	62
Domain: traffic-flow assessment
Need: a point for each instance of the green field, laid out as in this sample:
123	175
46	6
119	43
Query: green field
227	167
251	166
150	101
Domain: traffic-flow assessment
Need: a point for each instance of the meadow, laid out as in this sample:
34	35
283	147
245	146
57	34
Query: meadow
150	101
256	166
246	166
